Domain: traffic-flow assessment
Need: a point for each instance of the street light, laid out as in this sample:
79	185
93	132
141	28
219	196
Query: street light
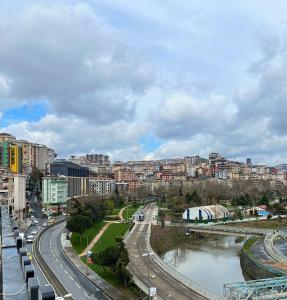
147	254
87	240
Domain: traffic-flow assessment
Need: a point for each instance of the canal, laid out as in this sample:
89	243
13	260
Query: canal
210	262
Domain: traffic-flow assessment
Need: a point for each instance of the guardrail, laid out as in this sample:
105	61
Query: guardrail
277	273
44	267
198	288
271	249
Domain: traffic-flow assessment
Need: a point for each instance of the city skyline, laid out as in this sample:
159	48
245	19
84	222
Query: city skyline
148	80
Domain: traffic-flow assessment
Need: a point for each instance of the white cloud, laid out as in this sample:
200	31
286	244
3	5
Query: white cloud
69	56
71	135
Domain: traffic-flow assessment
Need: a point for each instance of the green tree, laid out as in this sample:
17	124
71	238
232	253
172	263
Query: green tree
108	257
161	216
79	223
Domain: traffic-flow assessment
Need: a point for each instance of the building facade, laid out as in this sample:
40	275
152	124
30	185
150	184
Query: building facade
54	190
13	193
102	186
67	168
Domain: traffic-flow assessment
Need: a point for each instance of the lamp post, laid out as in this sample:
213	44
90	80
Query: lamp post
87	240
147	254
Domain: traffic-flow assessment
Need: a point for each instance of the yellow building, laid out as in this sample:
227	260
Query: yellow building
15	156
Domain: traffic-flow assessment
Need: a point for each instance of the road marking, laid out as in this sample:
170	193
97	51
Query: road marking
65	271
61	266
71	277
77	285
87	295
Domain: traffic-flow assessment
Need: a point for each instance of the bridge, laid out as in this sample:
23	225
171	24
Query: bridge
264	289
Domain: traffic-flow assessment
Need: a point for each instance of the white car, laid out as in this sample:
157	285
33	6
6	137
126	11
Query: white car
43	210
30	239
34	232
44	224
36	221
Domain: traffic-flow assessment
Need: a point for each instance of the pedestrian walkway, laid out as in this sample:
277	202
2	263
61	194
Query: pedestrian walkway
95	239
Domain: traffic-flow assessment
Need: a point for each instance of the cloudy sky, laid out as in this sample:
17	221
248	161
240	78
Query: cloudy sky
147	78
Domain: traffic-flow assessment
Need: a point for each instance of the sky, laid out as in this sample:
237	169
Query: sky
146	79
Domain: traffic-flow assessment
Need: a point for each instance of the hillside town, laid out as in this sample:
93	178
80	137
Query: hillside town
94	174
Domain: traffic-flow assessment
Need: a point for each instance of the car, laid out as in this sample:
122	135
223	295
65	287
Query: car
33	224
44	224
33	232
43	210
30	239
36	221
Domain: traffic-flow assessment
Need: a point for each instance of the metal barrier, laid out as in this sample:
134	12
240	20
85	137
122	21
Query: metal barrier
198	288
45	269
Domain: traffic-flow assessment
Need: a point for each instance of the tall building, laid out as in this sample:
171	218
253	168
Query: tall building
13	193
6	137
4	155
19	156
248	162
15	158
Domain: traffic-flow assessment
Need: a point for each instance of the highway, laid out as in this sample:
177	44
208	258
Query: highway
71	278
142	264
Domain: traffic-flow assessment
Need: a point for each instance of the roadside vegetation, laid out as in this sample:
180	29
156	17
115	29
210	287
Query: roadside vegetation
109	236
249	243
129	211
79	241
164	239
269	223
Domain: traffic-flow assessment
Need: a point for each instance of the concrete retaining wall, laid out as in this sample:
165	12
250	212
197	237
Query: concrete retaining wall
255	269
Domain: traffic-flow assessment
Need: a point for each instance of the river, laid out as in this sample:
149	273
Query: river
210	262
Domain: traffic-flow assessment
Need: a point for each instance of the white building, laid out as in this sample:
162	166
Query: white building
13	193
102	186
209	212
55	190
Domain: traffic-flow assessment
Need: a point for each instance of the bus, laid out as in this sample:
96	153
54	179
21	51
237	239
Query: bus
140	216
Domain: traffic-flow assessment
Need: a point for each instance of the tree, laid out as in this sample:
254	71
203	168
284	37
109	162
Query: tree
116	258
264	200
161	216
108	257
79	223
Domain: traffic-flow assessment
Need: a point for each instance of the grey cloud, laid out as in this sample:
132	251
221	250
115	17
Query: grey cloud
70	57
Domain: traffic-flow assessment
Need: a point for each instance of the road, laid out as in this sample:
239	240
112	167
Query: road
71	278
143	264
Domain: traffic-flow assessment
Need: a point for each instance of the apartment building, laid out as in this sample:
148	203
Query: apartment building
58	189
13	193
54	190
101	186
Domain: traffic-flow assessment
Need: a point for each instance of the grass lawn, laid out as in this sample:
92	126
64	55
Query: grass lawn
115	211
108	237
129	211
79	244
106	240
106	273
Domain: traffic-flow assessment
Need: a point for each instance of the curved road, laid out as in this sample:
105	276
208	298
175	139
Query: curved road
71	278
142	264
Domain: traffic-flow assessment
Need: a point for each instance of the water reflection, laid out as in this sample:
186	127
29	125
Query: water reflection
210	262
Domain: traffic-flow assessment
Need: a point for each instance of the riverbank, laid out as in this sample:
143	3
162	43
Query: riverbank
164	239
